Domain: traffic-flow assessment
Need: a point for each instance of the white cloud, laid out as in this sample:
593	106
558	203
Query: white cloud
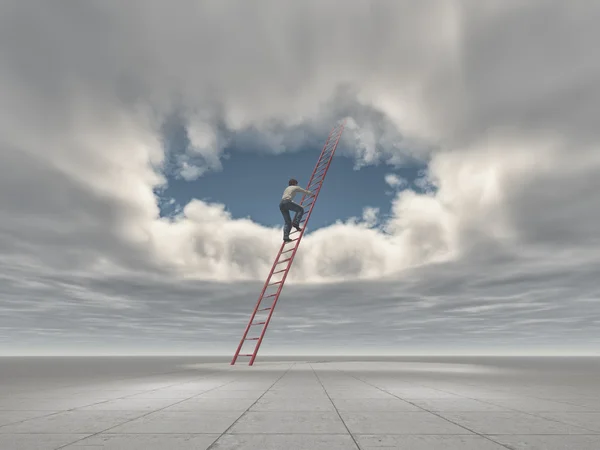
370	216
501	101
395	181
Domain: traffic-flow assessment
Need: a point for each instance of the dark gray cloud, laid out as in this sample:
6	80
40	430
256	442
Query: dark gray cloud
447	307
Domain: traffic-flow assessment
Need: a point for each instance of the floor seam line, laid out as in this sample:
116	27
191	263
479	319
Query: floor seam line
248	409
99	403
430	412
143	415
358	447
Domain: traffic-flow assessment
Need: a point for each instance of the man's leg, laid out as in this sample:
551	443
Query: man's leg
287	227
299	210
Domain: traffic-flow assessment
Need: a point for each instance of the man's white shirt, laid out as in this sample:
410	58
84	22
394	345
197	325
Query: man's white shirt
291	191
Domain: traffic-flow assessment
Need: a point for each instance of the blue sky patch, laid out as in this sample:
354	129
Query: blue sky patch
251	183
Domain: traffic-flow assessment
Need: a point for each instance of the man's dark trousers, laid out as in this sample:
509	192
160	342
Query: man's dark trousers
285	207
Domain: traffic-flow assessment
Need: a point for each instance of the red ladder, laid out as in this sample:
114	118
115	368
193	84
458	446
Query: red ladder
273	287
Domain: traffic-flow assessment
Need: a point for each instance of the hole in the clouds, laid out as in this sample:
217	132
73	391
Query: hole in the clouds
250	186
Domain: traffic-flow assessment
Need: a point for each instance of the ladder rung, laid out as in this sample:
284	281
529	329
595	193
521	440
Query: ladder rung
258	323
265	309
330	144
283	261
252	339
320	165
245	354
282	270
269	296
320	168
273	284
287	251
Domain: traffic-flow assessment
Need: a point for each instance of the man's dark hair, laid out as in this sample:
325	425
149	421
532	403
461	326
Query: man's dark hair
293	182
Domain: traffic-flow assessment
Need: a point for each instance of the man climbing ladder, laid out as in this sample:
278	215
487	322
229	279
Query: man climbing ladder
287	204
285	257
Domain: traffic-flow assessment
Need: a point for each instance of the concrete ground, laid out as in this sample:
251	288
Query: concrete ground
407	403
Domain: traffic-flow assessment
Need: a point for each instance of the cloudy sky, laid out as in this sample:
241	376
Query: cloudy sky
144	146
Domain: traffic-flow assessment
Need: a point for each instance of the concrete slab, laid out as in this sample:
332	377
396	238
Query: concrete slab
289	393
456	404
72	422
529	404
426	442
287	442
218	393
145	442
373	404
593	404
358	393
406	403
421	392
8	417
293	404
398	422
169	394
297	422
36	442
510	423
537	442
131	404
179	422
46	404
587	420
213	404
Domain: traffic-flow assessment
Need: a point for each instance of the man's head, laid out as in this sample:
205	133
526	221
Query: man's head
293	182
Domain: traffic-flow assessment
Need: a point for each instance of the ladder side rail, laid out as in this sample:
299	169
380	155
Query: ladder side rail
260	299
320	158
268	320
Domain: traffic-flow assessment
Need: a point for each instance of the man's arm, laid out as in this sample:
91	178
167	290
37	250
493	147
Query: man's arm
304	191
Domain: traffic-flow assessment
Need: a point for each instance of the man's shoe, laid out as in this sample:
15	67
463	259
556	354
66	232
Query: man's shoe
297	227
287	240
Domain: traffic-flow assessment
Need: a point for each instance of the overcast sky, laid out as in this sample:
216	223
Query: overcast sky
493	247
